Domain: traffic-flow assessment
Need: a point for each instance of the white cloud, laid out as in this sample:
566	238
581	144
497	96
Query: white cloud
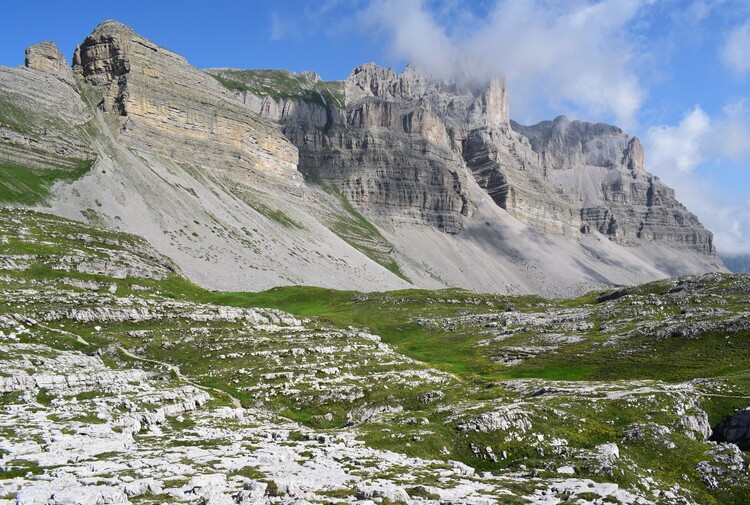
679	148
730	138
736	52
731	226
689	155
414	34
279	28
573	56
699	138
699	10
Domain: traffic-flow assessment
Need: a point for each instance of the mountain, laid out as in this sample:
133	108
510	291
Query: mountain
129	374
254	179
738	263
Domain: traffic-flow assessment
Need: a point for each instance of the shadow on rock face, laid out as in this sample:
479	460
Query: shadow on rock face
735	430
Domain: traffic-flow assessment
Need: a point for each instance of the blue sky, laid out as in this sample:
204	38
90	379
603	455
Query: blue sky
676	73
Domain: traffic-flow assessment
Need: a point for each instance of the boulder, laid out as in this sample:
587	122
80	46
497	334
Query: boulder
390	492
735	430
696	425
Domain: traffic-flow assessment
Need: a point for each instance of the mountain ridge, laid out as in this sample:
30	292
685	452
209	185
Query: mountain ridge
409	181
142	360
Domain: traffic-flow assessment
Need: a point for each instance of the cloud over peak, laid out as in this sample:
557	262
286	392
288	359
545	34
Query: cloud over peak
574	57
698	138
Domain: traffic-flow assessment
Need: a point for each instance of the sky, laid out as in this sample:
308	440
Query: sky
675	73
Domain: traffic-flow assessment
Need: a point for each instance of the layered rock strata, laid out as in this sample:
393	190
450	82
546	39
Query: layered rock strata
602	172
409	142
47	57
42	116
395	148
165	102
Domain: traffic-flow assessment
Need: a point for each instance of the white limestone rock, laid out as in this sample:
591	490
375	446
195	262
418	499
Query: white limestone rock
66	490
388	491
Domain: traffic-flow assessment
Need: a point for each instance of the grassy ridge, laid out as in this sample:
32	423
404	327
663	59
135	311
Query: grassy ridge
282	85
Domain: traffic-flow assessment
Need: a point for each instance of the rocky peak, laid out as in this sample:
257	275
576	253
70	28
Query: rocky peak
496	102
582	178
103	56
312	77
566	144
113	50
369	80
563	130
460	104
114	28
47	57
164	101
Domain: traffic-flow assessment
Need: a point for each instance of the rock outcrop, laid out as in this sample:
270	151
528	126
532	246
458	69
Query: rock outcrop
408	142
602	174
42	116
735	430
165	102
47	57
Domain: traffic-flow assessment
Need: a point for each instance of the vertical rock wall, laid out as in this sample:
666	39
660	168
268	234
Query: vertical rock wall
165	102
405	144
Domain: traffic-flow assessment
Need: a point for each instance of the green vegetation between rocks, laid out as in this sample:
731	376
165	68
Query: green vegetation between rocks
358	232
503	384
281	85
28	186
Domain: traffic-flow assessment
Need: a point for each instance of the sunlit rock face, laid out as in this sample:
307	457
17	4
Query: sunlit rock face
602	173
404	145
165	102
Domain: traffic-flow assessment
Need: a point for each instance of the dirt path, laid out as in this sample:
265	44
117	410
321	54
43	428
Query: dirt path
235	402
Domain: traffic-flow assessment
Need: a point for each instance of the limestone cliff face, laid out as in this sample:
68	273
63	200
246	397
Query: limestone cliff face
602	172
395	146
165	102
394	151
408	142
47	57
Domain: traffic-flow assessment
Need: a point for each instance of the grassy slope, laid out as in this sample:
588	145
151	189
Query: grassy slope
394	316
28	173
282	84
26	186
358	232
